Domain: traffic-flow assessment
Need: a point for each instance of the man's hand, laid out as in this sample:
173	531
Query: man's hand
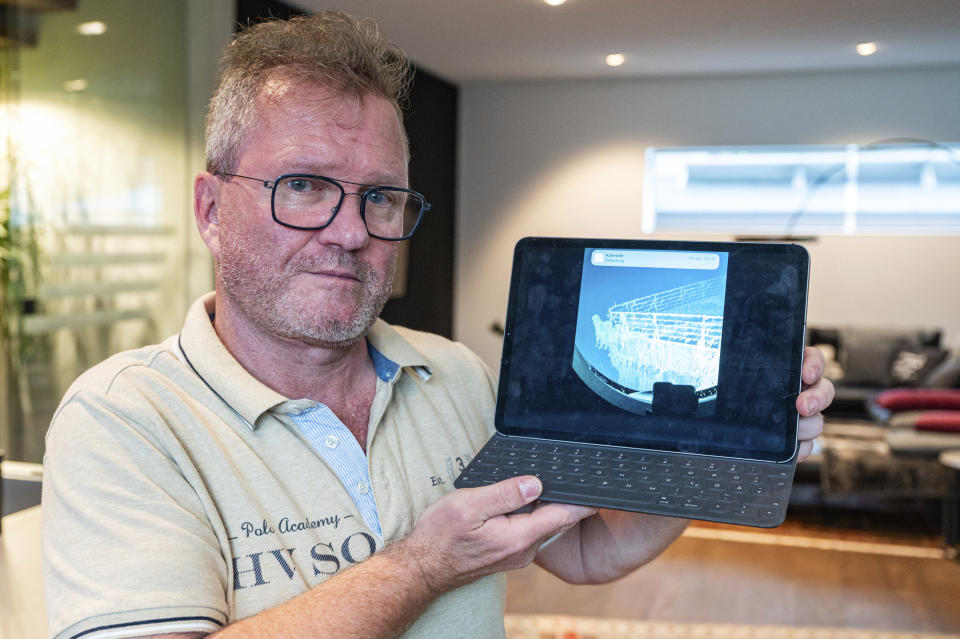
470	533
817	394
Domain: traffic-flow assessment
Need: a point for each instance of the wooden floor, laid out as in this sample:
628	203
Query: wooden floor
705	578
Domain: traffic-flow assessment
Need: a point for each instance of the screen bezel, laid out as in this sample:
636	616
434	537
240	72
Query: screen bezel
792	255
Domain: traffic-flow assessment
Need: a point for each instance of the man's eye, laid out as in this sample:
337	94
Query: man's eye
379	198
301	185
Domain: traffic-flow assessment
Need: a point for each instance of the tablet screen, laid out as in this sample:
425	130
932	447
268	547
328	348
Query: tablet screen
674	346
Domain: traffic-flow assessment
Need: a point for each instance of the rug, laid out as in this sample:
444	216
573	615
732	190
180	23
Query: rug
567	627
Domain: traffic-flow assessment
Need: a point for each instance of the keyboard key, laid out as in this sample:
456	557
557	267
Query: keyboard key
719	508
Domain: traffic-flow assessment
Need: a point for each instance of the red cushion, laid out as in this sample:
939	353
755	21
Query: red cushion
920	399
947	421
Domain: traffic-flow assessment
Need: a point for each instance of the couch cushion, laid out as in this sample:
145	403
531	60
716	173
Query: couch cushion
945	375
945	421
867	354
898	399
911	365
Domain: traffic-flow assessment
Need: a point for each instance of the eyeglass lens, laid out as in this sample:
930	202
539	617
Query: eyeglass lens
311	202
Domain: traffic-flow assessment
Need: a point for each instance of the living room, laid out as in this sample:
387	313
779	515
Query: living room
527	148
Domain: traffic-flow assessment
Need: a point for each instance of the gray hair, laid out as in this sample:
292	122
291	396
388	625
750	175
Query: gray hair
330	49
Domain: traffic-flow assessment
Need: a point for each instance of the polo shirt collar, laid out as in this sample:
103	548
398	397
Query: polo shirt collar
203	351
210	359
391	353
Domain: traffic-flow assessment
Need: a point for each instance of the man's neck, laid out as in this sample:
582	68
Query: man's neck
328	373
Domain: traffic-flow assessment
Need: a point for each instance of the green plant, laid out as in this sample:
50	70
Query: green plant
10	285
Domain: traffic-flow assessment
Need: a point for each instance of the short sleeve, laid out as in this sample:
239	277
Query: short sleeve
128	547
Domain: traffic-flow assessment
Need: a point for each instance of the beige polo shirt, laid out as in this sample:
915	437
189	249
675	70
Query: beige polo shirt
179	496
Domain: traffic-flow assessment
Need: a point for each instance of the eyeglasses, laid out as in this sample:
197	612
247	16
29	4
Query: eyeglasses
310	202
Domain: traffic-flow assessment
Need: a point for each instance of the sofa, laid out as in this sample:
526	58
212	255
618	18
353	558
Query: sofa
897	407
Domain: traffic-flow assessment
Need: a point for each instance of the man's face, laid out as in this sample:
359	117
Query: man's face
317	287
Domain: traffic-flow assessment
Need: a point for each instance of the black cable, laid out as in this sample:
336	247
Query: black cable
831	171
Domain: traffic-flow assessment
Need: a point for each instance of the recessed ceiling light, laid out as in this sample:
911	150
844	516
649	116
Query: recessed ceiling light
79	84
91	28
615	59
867	48
554	3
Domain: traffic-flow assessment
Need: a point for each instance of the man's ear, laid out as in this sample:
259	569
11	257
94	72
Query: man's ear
206	210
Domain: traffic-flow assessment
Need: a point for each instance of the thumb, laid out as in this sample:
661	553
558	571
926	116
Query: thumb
505	496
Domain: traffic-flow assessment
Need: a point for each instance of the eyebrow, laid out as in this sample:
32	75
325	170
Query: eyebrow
380	179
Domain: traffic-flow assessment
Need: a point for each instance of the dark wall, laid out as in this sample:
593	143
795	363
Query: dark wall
431	123
254	10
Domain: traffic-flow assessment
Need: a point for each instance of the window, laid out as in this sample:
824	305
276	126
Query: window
882	188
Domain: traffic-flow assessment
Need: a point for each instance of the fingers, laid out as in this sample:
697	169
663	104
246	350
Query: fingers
818	393
815	397
554	518
813	365
804	450
809	428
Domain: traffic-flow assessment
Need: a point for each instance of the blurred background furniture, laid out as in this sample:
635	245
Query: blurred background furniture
951	504
897	408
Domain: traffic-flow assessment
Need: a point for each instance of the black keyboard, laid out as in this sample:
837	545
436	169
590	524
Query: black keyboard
753	493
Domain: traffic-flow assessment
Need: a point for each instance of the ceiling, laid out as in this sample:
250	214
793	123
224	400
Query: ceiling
471	40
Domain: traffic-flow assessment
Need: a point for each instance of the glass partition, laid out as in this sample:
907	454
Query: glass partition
94	188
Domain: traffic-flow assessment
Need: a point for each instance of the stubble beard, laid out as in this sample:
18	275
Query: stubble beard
266	298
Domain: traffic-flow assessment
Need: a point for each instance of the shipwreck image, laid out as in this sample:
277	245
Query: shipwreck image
658	353
672	336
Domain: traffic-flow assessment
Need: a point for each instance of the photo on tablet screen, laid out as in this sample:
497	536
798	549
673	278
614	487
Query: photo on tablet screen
649	327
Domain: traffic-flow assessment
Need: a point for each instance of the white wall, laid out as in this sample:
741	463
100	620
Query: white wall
566	159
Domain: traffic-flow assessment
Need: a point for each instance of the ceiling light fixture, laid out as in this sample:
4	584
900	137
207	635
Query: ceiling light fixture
79	84
91	28
867	48
554	3
615	59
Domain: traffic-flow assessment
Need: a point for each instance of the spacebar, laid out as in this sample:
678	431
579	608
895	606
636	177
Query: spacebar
590	496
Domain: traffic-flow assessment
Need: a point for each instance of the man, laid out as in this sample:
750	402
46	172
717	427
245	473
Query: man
268	472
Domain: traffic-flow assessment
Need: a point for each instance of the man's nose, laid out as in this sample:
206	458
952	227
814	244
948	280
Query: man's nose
347	228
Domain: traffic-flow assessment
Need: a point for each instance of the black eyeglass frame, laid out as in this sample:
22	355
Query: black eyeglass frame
373	188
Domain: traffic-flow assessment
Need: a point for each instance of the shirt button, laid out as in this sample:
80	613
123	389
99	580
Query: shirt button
363	487
331	441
